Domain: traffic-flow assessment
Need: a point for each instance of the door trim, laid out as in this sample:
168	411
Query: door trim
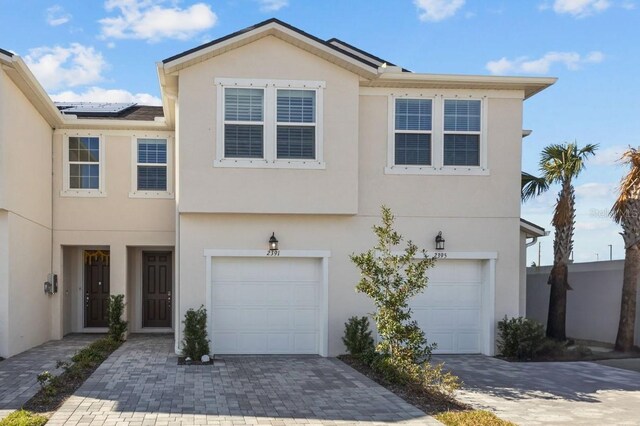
322	255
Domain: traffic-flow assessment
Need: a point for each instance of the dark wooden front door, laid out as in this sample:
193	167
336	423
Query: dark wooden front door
96	288
156	289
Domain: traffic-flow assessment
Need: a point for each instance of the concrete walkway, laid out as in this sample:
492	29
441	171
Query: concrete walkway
141	383
548	393
18	374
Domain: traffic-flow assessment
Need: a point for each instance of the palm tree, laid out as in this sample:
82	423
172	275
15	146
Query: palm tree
626	212
559	163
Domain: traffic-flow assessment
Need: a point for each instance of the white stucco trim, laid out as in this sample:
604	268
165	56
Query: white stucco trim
323	255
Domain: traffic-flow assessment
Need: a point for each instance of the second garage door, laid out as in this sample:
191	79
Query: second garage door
449	311
265	305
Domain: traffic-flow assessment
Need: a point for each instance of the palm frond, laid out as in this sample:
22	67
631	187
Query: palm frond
531	186
629	186
564	162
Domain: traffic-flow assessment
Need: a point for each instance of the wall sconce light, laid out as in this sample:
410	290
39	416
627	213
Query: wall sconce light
439	241
273	242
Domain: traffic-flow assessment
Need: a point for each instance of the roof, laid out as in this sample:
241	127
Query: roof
531	229
111	111
344	46
6	52
262	24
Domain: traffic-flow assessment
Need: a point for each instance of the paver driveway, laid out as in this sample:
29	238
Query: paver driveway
549	393
18	374
141	384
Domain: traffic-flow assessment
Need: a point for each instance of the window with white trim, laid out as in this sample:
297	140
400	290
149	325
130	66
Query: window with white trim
434	134
462	128
412	137
269	123
83	160
151	174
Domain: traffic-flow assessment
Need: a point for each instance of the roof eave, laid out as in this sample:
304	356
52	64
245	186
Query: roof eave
71	122
277	29
531	229
529	85
22	77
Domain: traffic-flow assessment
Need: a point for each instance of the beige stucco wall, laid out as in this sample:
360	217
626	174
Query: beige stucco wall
29	264
25	194
116	222
341	235
475	213
4	284
25	155
208	189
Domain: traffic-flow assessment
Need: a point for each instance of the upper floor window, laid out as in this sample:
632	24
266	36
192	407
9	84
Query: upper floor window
83	158
151	174
412	139
462	132
269	123
436	135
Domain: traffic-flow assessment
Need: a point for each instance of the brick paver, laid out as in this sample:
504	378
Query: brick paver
548	393
18	374
140	384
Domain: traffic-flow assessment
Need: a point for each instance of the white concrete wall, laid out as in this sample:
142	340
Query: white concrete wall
593	306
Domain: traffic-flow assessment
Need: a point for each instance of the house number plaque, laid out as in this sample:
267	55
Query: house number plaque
273	253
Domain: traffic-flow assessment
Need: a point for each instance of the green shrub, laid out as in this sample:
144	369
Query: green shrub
357	336
391	280
195	342
44	378
520	338
117	327
23	418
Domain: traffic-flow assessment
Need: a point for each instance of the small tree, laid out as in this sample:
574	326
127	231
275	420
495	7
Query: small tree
391	280
195	342
117	327
357	336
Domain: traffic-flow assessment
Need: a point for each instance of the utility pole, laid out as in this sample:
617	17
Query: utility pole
539	244
610	251
597	257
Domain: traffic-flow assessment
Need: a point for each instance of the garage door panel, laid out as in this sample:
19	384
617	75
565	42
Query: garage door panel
265	306
450	308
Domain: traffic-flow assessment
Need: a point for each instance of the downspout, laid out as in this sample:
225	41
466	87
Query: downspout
535	240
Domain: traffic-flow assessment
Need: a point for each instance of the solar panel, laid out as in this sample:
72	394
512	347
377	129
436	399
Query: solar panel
102	108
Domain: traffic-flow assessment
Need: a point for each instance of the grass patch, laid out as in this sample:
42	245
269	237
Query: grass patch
23	418
471	418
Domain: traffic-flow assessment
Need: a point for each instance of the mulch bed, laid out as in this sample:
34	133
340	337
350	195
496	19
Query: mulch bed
430	402
47	404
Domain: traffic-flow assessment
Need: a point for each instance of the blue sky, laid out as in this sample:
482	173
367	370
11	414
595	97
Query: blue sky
106	51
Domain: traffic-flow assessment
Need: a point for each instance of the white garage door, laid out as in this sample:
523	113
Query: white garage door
449	311
265	305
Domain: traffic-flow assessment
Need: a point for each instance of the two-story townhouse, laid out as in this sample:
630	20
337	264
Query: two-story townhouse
268	133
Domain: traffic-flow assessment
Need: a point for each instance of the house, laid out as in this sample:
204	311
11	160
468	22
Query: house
266	132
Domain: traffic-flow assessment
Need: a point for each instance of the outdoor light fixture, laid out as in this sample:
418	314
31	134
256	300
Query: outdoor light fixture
273	242
439	241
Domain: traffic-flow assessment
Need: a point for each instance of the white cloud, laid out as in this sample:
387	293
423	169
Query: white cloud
57	16
595	190
57	67
524	65
149	20
580	8
437	10
608	156
272	5
98	94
